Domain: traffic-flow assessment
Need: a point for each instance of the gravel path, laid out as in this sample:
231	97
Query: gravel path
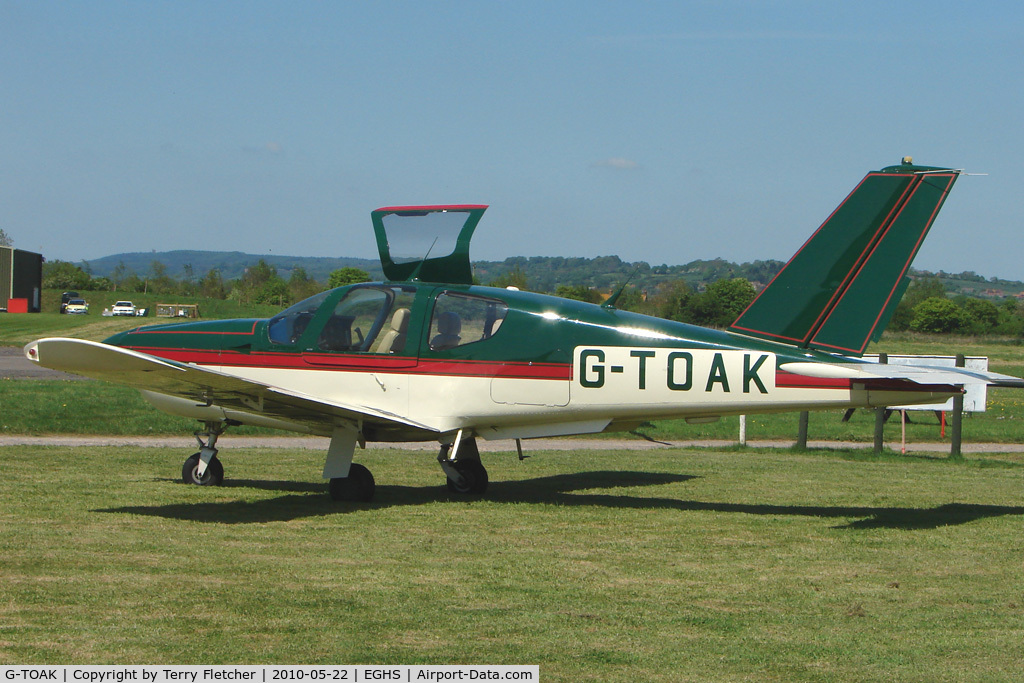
14	365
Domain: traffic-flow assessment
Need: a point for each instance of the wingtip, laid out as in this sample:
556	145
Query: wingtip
31	351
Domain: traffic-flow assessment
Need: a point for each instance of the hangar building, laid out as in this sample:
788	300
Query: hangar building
21	280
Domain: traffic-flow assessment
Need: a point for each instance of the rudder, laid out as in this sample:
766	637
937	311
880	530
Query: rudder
840	289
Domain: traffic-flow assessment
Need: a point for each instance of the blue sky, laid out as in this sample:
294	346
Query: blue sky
657	131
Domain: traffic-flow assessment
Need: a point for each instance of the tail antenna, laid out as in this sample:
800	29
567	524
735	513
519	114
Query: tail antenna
610	303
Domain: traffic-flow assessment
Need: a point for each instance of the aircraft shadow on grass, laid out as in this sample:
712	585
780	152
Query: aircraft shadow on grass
554	490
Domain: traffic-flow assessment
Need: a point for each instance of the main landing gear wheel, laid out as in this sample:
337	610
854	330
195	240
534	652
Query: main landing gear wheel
213	476
357	487
461	464
474	478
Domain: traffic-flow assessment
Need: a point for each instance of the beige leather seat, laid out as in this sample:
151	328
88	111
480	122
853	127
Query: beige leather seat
394	339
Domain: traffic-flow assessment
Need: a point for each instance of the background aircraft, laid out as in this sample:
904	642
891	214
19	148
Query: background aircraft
426	355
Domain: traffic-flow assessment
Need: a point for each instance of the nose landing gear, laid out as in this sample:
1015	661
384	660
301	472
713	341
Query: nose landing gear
203	468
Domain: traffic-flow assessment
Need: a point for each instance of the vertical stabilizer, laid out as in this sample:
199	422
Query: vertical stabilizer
840	289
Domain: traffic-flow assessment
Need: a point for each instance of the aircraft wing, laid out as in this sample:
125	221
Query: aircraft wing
919	374
205	386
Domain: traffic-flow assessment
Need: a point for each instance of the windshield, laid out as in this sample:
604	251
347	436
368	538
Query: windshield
287	326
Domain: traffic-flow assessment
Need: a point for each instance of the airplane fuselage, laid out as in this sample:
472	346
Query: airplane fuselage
549	366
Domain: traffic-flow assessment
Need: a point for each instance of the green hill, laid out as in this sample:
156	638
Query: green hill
231	264
543	273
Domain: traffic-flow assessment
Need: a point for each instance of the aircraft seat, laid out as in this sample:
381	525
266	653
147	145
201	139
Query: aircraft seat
336	335
449	328
394	339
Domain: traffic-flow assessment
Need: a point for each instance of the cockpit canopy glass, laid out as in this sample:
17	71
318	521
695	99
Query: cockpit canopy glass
426	243
461	319
416	235
371	319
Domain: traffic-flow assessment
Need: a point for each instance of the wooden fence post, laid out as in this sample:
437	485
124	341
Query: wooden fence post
956	431
880	414
801	437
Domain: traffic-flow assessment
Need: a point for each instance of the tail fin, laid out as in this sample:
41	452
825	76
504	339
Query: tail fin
840	290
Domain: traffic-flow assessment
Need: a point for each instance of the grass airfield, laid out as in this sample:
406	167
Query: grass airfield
668	565
662	565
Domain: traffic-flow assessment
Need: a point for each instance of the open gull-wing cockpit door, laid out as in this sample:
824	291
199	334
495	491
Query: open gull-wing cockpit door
427	243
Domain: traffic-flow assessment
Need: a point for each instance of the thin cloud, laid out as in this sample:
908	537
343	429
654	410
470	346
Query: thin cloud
617	162
268	148
655	39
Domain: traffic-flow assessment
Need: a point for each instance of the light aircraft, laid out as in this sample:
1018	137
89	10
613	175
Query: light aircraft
428	356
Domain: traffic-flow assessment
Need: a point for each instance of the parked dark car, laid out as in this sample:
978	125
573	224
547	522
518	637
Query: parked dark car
65	298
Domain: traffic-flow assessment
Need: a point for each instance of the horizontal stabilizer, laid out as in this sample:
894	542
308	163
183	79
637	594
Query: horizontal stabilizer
841	288
919	374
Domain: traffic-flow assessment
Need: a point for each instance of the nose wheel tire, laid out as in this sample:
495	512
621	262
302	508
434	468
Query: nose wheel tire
213	476
474	478
357	487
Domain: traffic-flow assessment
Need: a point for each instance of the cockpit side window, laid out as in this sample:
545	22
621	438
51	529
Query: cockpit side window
370	319
461	319
373	319
355	321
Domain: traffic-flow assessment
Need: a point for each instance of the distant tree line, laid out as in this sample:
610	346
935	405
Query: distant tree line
926	306
259	284
604	273
718	305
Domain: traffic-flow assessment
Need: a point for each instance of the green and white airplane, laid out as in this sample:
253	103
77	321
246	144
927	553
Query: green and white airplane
428	356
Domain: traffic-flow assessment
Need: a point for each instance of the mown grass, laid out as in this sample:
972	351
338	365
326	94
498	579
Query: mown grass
673	565
18	330
87	407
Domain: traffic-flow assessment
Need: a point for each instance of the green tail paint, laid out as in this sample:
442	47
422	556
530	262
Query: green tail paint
840	290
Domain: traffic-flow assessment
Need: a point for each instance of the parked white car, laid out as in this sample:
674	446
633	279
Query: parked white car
123	308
